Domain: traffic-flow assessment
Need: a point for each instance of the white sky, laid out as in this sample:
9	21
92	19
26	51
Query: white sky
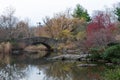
36	10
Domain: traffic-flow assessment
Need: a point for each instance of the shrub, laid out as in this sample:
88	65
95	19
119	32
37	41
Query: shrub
112	44
95	53
112	54
112	74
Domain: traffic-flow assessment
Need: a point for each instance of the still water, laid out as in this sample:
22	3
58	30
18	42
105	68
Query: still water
26	68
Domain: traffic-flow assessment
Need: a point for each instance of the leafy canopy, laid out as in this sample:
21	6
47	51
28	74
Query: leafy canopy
81	13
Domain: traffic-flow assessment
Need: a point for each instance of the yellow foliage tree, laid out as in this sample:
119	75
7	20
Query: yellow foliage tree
81	35
65	34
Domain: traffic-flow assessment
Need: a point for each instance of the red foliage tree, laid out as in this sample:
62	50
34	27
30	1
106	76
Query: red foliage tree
100	30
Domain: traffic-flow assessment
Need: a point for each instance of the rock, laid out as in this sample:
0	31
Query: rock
16	52
87	65
69	57
109	64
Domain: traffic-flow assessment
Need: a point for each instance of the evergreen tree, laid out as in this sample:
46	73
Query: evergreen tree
117	11
81	13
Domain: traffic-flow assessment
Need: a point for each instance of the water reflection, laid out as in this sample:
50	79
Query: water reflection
43	70
58	71
69	71
12	72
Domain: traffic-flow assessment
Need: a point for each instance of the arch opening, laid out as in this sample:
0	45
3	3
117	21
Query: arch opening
46	45
47	50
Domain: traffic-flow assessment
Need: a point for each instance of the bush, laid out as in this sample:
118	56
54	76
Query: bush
112	74
112	54
113	44
95	53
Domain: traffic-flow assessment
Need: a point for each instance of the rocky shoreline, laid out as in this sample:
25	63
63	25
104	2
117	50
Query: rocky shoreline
81	57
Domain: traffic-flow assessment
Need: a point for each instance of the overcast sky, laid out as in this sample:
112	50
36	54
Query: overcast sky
36	10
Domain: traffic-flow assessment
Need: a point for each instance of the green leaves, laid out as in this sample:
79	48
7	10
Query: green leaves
112	54
81	13
112	74
117	11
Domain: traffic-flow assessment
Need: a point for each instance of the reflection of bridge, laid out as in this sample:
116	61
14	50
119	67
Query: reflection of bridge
48	42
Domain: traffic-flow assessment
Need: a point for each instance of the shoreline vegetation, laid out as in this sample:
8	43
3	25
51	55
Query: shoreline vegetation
94	55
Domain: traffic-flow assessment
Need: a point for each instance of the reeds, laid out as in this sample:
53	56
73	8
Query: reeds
5	48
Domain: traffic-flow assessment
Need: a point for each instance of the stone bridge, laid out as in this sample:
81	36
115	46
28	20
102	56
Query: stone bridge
48	42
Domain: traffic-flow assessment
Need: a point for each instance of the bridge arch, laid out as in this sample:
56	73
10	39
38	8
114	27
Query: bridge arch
46	45
48	42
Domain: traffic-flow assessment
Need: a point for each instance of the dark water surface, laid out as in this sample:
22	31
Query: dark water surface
26	68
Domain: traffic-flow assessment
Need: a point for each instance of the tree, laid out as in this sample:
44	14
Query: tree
56	25
21	30
117	11
63	26
7	23
81	13
100	31
100	21
41	31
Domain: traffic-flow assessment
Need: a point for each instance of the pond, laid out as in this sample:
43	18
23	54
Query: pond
26	68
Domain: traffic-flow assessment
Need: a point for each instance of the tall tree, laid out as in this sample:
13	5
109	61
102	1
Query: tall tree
62	26
7	23
81	13
117	11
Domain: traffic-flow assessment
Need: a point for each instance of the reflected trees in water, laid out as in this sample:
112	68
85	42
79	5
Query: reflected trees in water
15	69
58	71
12	72
69	71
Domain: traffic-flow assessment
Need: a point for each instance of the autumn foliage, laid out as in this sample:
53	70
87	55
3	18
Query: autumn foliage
100	30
